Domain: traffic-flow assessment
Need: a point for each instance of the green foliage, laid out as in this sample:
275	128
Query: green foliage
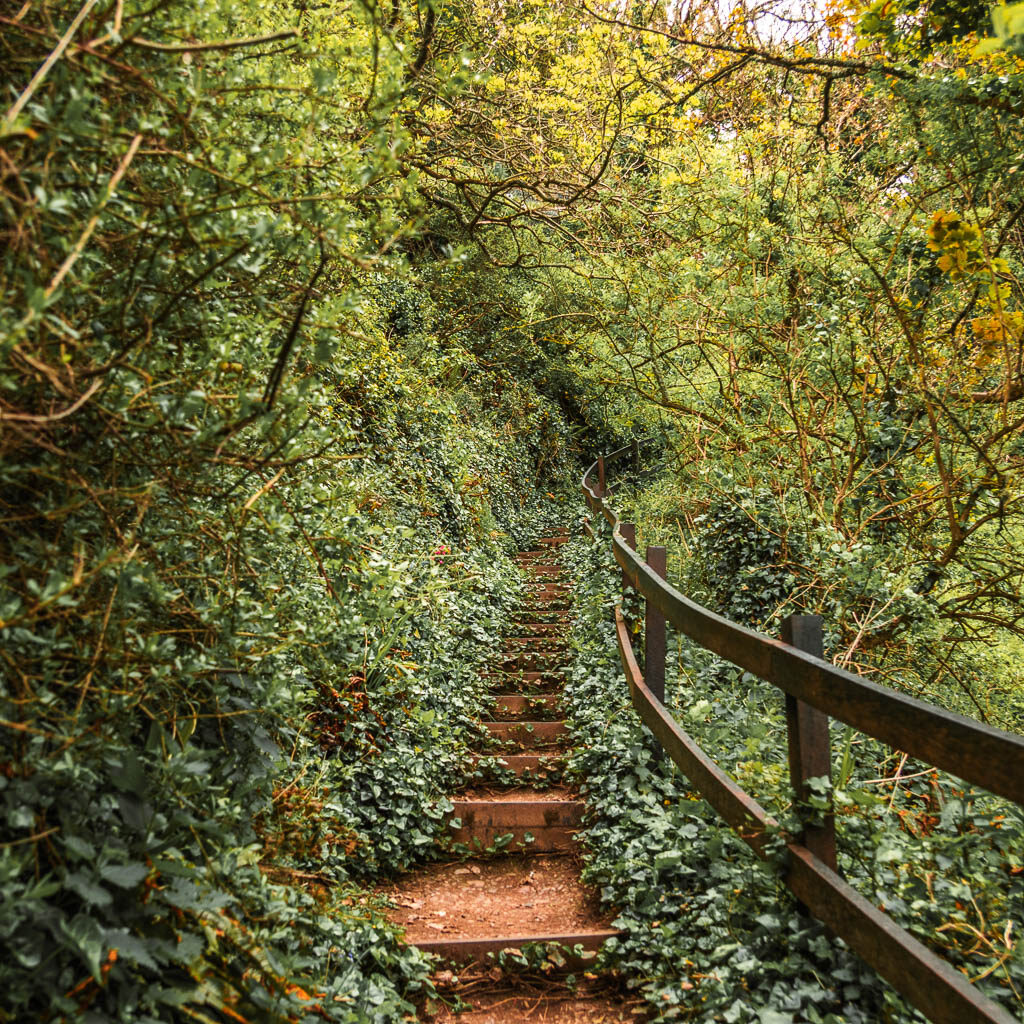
255	519
744	556
919	29
942	860
1008	25
304	313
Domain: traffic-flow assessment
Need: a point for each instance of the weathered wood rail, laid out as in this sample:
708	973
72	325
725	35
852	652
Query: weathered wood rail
815	690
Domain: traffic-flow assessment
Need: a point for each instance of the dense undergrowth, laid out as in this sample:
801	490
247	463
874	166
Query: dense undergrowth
942	859
258	491
306	313
185	829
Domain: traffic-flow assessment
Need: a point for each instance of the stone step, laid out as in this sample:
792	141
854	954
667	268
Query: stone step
527	735
555	606
499	902
538	629
541	766
547	643
535	825
524	706
542	570
522	809
526	683
542	614
533	661
480	951
529	676
548	595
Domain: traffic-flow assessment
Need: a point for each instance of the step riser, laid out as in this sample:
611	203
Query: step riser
528	734
540	644
514	680
527	766
544	840
549	688
526	707
506	815
529	661
480	950
529	676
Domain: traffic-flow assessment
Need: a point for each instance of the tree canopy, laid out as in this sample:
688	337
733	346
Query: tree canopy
309	311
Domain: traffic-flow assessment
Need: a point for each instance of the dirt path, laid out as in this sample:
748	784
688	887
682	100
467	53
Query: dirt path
470	910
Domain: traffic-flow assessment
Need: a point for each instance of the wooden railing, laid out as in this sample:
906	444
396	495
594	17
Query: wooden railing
815	690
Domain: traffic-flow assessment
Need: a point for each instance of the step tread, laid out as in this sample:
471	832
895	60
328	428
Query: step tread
524	765
495	897
520	703
555	727
514	807
478	949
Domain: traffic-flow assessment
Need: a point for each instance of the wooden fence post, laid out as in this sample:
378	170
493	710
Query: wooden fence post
628	532
600	476
654	631
654	637
810	754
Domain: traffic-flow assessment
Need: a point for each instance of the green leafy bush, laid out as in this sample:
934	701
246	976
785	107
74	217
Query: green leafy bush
255	545
943	860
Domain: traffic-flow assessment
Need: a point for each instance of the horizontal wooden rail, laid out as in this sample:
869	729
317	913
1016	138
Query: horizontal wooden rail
739	809
977	753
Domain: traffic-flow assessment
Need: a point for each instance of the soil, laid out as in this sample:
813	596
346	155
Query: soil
522	895
533	895
525	795
591	1003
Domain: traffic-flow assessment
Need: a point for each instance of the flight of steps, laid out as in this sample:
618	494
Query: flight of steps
466	909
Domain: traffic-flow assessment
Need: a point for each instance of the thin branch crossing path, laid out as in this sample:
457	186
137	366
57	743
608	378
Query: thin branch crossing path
518	885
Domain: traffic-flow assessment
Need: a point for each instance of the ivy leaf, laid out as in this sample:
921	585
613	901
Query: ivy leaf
667	859
80	847
131	947
85	937
127	876
87	888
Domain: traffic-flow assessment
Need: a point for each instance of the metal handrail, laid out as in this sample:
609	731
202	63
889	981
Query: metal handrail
977	753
